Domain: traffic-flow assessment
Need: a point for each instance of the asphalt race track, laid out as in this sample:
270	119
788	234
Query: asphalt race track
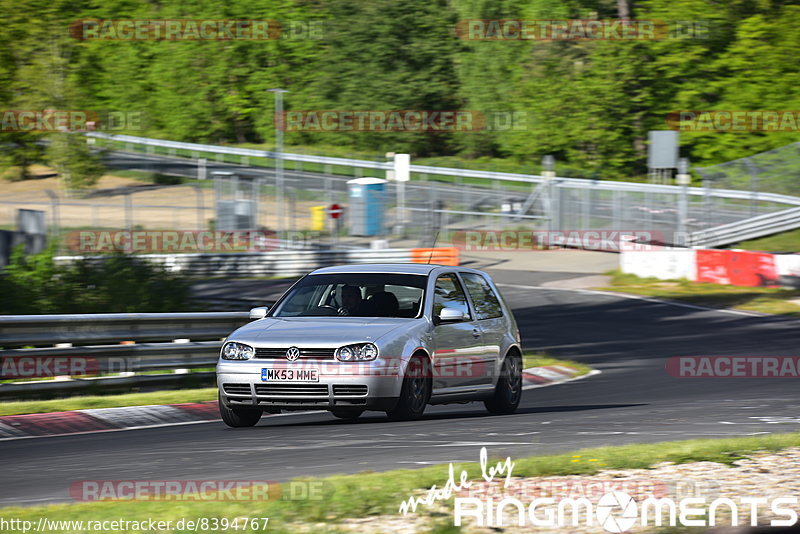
633	400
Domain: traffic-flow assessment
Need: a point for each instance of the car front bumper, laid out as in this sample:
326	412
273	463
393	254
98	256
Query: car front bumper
342	385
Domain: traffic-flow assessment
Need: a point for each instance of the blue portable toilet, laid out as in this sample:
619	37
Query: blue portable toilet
366	199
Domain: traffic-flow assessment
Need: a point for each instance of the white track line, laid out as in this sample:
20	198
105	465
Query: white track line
587	375
144	427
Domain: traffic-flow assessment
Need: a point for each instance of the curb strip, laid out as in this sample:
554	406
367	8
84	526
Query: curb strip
110	419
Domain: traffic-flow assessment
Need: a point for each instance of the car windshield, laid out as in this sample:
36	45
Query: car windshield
354	295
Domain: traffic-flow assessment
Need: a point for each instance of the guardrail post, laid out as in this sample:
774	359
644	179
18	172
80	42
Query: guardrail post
128	211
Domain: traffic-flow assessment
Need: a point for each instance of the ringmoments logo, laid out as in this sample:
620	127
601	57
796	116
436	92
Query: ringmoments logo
614	511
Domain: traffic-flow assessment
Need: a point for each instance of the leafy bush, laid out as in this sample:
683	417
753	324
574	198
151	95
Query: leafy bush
36	284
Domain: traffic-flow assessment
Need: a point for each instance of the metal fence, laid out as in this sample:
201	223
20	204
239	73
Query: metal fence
442	199
437	199
773	171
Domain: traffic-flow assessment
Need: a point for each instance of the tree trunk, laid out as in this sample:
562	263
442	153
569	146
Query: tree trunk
623	9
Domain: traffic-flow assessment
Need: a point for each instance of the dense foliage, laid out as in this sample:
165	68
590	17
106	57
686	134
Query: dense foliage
590	103
34	284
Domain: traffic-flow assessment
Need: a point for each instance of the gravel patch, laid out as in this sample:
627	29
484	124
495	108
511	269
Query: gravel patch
766	475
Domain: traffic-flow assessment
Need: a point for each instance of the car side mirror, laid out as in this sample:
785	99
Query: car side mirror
258	313
449	315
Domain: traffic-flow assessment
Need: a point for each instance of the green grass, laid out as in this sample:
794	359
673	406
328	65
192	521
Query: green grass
783	242
108	401
758	299
542	360
370	494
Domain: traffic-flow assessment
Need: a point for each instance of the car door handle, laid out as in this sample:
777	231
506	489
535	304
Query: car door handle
476	333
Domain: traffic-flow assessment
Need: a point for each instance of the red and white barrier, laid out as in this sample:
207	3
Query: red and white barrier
730	267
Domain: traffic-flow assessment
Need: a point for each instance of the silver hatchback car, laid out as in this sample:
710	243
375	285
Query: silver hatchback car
386	337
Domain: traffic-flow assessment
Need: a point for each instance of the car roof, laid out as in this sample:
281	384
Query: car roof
396	268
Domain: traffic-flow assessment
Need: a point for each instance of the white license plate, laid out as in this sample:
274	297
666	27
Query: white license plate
290	375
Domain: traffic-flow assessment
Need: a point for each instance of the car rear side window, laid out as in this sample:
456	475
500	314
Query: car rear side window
484	299
448	294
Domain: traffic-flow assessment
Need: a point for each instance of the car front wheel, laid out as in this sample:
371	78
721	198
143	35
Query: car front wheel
238	416
508	392
415	392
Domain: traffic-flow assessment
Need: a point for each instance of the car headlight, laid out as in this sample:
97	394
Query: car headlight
360	352
237	351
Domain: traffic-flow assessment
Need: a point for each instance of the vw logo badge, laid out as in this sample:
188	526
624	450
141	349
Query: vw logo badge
292	354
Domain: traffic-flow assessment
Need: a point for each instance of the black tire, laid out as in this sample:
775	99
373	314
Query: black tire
508	391
415	393
347	413
238	417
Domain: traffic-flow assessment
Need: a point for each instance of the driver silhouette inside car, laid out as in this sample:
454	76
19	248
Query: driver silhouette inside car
379	304
352	303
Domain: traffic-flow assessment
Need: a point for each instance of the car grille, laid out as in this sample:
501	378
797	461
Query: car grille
280	353
292	390
349	390
236	389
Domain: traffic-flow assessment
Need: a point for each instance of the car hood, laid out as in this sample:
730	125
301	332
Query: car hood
315	331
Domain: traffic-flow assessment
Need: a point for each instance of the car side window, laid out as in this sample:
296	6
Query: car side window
484	299
448	294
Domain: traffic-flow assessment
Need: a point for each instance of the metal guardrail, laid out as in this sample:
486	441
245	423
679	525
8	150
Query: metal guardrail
18	330
752	228
277	263
246	152
187	341
608	185
161	341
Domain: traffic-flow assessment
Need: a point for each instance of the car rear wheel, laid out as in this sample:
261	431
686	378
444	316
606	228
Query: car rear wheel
508	391
347	414
415	392
238	416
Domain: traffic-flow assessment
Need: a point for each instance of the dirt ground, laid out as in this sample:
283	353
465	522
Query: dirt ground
153	206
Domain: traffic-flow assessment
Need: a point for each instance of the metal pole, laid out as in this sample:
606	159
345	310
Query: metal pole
683	178
202	171
401	174
128	212
753	187
56	223
401	207
279	161
200	209
278	118
548	164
